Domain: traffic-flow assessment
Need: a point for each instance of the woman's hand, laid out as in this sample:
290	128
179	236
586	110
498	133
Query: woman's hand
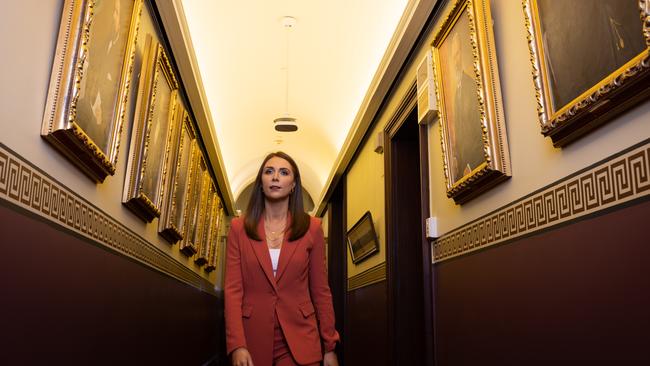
241	357
329	359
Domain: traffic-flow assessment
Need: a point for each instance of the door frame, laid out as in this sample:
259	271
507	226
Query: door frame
407	105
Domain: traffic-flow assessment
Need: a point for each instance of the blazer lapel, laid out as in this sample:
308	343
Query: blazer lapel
262	253
288	248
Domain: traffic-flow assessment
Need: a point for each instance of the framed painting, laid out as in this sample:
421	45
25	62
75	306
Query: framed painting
89	85
217	241
202	214
152	134
173	218
196	209
472	127
362	239
184	202
203	245
590	61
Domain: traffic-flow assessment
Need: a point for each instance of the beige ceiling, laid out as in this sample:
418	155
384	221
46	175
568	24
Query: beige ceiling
334	52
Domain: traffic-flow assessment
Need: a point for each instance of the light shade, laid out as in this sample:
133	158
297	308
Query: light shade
285	124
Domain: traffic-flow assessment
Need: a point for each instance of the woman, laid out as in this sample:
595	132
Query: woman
278	303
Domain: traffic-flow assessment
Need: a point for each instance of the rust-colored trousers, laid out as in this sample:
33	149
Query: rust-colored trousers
281	353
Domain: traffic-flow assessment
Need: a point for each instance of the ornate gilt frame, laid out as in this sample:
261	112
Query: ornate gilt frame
211	212
614	94
61	126
182	214
202	214
156	72
173	218
217	242
496	166
195	208
213	236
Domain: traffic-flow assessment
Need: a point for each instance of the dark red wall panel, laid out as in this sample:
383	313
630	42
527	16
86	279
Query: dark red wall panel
578	294
66	301
365	335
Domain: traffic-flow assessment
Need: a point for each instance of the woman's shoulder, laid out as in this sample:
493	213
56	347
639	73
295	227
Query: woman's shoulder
237	223
314	223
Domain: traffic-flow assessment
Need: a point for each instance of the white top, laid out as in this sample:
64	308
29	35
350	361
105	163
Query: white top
275	257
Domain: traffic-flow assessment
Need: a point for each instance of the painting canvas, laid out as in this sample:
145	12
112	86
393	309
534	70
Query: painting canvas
474	144
89	86
590	62
463	119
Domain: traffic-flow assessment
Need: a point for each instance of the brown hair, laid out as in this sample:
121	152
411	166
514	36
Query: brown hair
255	208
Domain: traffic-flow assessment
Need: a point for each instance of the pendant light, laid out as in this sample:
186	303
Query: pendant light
286	123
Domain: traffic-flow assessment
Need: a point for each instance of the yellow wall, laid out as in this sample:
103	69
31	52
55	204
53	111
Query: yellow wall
365	192
28	36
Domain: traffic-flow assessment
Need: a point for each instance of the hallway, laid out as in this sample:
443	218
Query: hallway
481	171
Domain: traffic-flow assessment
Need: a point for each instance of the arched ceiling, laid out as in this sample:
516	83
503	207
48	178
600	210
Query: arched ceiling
335	50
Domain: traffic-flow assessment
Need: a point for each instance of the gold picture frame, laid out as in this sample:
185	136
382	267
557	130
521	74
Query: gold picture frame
90	81
215	231
217	243
183	213
173	218
151	136
212	210
574	96
196	208
473	135
202	214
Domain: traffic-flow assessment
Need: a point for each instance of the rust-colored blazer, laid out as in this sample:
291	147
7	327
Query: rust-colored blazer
298	295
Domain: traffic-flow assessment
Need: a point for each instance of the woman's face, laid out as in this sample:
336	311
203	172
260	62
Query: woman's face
277	178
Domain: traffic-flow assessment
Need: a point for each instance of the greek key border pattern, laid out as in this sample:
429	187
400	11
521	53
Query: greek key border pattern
24	185
618	179
368	277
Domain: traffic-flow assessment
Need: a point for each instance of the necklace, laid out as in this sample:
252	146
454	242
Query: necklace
274	238
275	242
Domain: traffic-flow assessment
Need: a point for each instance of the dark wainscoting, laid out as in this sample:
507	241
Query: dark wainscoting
365	336
68	302
574	295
